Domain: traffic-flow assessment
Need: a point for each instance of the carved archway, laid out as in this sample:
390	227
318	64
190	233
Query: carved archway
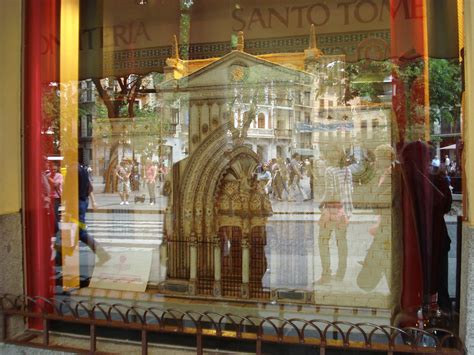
215	187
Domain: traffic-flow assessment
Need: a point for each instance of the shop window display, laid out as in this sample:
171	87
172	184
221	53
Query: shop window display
250	151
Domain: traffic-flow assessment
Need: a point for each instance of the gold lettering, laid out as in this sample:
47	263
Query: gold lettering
319	13
235	17
119	33
346	10
283	20
384	6
256	17
88	33
299	9
357	11
141	30
324	8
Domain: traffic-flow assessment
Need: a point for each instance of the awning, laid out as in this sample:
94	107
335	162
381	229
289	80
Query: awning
452	146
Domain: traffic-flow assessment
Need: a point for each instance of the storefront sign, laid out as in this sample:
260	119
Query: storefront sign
121	37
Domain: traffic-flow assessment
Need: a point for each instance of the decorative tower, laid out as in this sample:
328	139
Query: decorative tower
174	68
313	53
240	41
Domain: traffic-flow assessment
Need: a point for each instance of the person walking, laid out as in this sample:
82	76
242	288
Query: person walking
85	192
385	197
266	177
56	181
123	175
336	210
277	180
295	178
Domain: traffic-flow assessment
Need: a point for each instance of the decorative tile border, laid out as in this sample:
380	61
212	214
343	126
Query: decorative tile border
144	60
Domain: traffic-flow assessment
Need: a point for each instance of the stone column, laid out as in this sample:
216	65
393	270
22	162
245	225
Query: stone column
163	258
466	313
245	292
192	263
217	267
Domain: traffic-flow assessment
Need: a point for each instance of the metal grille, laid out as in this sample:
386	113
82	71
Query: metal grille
315	333
179	258
205	271
258	263
231	260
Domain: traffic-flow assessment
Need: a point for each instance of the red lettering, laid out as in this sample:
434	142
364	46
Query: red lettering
417	9
45	45
394	8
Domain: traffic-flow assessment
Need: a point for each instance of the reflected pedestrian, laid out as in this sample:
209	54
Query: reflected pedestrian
56	191
151	173
266	177
427	242
336	210
295	178
123	175
277	180
375	265
85	190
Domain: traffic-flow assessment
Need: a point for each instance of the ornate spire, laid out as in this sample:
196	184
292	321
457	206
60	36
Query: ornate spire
313	52
175	48
240	41
312	38
175	68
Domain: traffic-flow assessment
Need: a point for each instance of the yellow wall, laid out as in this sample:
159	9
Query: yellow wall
468	133
10	105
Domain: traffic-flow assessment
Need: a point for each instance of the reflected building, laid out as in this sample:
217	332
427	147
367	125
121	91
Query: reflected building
222	236
274	93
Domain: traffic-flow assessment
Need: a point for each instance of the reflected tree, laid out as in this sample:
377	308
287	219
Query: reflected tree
119	99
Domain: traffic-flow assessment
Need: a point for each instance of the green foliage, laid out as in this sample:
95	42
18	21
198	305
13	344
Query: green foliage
366	79
409	72
444	84
445	90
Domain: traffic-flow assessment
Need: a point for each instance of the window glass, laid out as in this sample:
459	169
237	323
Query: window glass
252	150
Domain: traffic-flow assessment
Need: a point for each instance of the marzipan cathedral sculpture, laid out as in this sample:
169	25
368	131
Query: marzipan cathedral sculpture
235	112
215	229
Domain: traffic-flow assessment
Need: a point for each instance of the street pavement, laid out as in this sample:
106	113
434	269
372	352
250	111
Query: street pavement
125	232
292	240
